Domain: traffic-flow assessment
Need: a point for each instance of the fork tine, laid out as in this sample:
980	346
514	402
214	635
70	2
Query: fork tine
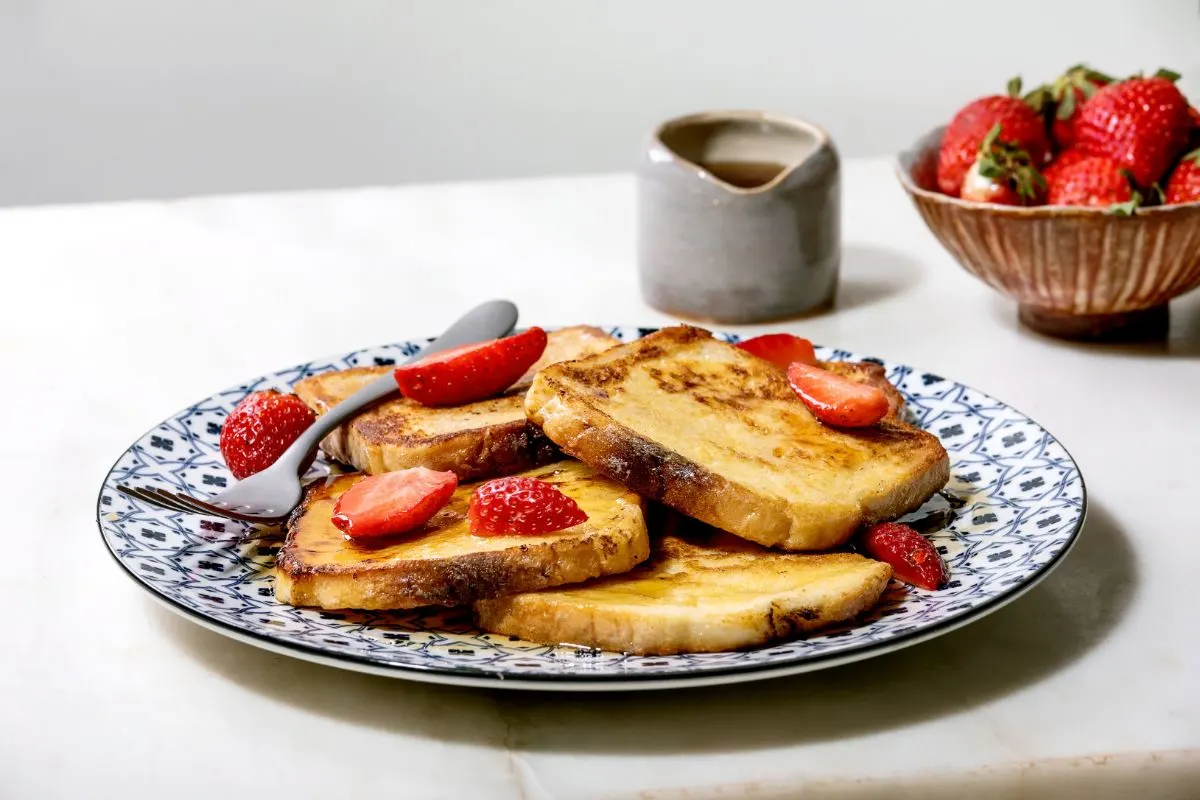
198	506
146	496
176	499
186	504
194	505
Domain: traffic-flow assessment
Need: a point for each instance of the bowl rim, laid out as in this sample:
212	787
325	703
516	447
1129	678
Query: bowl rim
904	173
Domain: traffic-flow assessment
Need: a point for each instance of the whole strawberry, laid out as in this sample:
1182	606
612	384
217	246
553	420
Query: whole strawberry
260	428
1003	174
1093	181
1184	185
1069	92
1141	123
1064	159
1020	126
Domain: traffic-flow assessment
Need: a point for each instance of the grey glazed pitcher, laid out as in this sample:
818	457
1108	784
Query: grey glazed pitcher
738	217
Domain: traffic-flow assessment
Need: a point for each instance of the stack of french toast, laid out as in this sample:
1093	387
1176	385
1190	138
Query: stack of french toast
717	505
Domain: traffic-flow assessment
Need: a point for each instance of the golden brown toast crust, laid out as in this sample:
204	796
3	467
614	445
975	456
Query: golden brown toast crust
695	594
443	563
747	403
479	440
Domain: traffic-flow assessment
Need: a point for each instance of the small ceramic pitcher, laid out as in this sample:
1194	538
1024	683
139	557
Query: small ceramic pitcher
738	217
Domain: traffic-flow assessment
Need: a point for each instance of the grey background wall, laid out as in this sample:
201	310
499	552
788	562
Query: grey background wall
114	99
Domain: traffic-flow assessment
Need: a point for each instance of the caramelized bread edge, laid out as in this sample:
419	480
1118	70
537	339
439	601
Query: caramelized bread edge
558	402
471	454
459	580
640	630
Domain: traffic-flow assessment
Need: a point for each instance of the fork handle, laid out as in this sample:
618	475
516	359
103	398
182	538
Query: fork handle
490	320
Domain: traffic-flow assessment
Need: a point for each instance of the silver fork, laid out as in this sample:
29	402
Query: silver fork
270	495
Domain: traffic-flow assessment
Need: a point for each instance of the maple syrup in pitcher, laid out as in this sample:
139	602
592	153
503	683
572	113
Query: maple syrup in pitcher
744	174
738	217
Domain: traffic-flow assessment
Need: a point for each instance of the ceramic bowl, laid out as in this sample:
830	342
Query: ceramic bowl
1076	273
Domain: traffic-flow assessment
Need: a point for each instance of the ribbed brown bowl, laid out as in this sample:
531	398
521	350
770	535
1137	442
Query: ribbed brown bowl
1077	273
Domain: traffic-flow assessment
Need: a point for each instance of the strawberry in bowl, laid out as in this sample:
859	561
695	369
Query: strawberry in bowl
1086	218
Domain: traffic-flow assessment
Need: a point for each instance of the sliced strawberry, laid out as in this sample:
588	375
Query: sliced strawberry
912	558
473	372
781	349
394	502
523	506
260	428
836	400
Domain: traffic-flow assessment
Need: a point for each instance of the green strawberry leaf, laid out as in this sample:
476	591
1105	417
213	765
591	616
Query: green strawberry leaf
1038	98
1067	107
1170	75
1125	209
1014	86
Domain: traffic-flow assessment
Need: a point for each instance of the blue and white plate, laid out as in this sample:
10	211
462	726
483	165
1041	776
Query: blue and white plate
1012	510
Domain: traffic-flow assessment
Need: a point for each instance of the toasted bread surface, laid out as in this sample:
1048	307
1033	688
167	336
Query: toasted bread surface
718	434
478	440
695	595
443	563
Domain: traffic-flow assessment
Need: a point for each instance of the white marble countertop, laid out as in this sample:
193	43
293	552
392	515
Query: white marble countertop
117	315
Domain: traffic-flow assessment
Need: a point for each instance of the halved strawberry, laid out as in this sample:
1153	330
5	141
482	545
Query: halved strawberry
912	557
520	505
394	502
473	372
781	349
835	400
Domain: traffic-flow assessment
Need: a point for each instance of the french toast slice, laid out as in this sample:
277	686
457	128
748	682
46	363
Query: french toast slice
718	434
478	440
695	594
443	564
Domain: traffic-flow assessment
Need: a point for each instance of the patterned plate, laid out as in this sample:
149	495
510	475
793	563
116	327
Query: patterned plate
1012	510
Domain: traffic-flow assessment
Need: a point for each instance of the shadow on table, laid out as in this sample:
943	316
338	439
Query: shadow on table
1046	630
1183	338
870	274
